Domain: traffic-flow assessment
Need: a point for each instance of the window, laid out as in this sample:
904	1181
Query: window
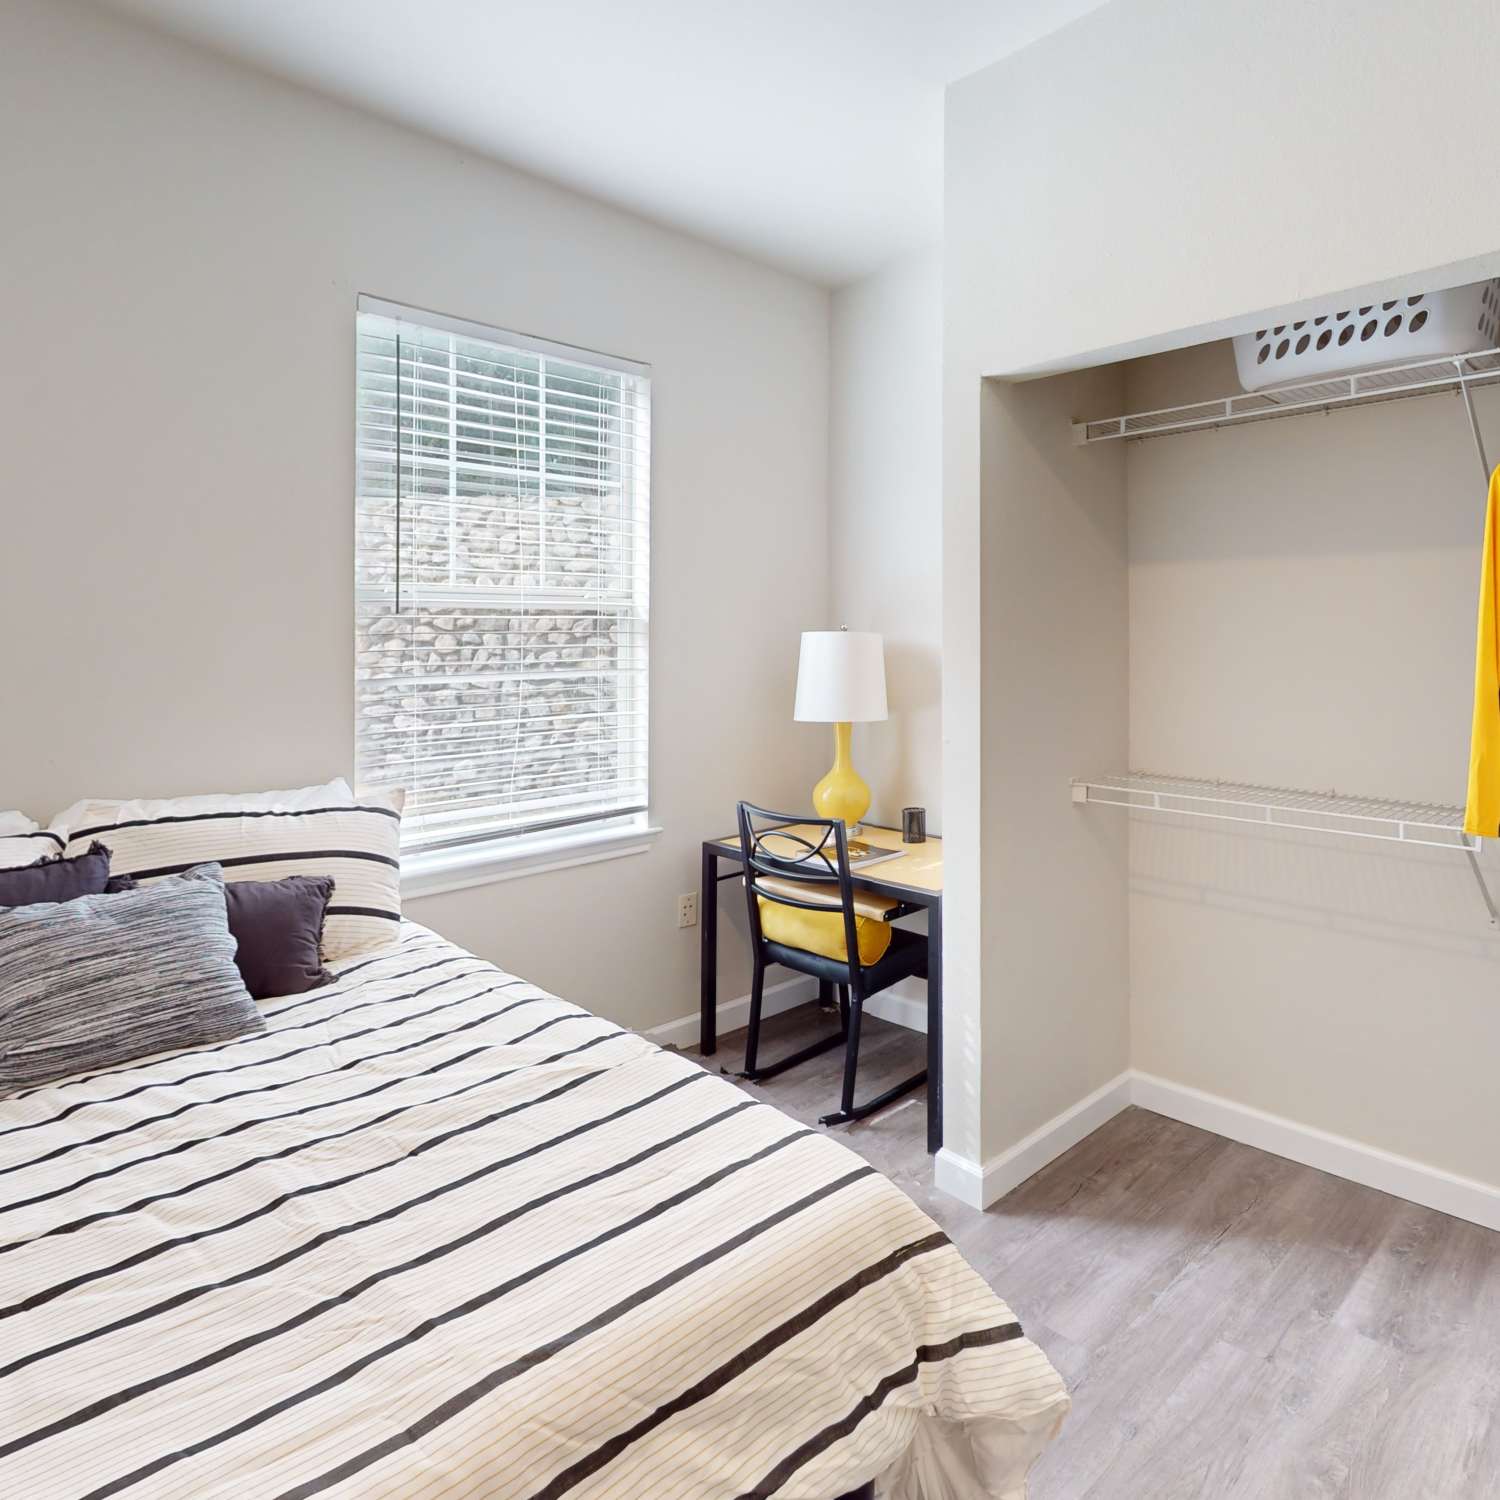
502	566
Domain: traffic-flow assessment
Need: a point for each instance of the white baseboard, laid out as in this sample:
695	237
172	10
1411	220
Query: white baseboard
788	995
904	1004
960	1178
1432	1187
980	1186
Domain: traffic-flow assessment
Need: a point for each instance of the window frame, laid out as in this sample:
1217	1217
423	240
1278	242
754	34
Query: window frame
468	858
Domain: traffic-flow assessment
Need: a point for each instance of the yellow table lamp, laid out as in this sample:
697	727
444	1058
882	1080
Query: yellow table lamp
841	681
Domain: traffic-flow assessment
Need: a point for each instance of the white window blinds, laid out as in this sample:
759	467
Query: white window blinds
502	573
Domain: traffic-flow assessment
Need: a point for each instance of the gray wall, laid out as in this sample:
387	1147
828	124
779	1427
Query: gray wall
885	522
1110	191
1161	167
1302	601
181	247
1053	695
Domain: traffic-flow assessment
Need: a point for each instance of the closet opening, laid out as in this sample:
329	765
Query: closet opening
1223	667
1328	475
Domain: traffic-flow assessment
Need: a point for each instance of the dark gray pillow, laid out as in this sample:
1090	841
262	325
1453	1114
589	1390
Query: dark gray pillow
278	926
53	878
90	983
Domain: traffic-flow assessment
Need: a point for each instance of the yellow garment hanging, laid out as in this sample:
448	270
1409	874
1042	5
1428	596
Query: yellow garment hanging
1482	812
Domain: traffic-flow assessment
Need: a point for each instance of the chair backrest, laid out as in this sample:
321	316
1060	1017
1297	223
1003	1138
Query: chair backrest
799	854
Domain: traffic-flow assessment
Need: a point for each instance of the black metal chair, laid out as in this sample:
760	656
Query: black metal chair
804	863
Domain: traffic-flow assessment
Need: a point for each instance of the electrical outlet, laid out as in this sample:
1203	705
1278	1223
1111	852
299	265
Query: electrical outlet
687	910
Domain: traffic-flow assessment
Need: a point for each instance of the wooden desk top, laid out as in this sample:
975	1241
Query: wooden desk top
919	867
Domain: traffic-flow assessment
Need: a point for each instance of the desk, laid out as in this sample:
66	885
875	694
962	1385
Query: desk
915	877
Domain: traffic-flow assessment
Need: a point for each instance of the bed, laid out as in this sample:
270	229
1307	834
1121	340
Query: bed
438	1234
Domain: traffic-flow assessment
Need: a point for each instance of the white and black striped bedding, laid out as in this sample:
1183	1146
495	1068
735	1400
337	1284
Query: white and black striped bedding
438	1234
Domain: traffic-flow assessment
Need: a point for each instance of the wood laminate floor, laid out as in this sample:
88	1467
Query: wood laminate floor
1230	1324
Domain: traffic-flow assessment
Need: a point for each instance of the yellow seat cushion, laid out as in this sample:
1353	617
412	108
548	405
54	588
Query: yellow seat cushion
823	932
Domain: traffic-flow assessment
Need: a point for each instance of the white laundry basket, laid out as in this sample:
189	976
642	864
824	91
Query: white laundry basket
1429	325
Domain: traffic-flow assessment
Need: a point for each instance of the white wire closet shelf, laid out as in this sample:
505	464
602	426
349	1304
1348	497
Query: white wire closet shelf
1433	824
1418	378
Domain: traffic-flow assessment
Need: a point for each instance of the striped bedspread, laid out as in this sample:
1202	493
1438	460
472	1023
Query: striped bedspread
436	1233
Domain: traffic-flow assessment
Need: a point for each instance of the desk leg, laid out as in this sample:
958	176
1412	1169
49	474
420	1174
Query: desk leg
935	1026
708	955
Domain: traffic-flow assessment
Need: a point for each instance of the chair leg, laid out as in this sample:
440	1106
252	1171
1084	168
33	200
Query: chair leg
851	1050
844	1012
753	1072
848	1110
752	1036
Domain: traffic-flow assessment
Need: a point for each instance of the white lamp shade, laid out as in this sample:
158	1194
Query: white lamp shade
841	677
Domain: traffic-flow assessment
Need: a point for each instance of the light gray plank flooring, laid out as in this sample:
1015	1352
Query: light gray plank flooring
1232	1326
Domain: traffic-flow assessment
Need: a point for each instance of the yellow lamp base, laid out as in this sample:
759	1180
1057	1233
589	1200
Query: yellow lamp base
843	792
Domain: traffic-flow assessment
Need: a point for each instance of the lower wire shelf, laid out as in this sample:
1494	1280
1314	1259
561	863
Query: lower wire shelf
1434	825
1282	807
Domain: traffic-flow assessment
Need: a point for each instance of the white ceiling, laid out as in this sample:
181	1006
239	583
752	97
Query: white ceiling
807	133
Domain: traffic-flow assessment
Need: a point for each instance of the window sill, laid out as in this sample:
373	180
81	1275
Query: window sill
438	870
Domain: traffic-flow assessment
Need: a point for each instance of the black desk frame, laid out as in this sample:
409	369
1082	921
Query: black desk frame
716	852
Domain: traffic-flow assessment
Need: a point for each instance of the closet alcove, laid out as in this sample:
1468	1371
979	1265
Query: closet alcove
1303	573
1252	623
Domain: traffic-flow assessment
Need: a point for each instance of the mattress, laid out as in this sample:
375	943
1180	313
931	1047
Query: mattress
437	1233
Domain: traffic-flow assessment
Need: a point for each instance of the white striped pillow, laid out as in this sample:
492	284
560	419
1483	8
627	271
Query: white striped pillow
264	836
22	842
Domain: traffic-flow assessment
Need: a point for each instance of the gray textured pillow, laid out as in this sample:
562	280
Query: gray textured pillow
89	983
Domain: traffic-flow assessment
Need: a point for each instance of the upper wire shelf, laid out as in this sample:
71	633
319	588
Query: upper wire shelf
1418	378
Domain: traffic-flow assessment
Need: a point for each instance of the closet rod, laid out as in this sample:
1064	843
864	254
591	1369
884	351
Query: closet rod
1484	465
